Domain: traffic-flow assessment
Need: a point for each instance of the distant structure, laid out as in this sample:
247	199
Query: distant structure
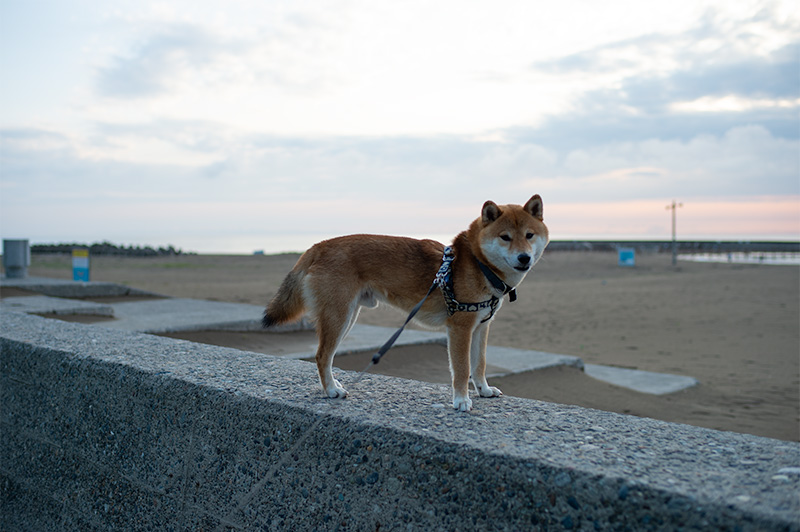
627	257
674	208
16	258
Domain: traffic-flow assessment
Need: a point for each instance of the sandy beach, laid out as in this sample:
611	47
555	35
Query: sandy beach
735	328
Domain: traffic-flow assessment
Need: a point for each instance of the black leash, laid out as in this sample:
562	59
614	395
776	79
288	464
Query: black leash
388	345
439	280
445	282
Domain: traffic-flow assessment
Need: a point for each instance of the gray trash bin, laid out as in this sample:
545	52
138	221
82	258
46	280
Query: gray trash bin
16	258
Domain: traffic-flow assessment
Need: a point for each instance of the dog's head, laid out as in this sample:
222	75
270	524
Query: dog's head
513	237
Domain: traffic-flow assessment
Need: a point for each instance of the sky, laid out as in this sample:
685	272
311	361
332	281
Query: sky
243	125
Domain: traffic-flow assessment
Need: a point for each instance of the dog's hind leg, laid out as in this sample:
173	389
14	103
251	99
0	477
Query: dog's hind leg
331	329
365	299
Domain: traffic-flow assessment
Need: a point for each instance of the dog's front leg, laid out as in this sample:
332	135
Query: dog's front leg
459	338
480	340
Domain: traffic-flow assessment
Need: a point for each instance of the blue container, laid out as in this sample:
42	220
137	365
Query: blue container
627	257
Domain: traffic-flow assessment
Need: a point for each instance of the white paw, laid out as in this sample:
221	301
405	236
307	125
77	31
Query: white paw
336	391
489	391
462	404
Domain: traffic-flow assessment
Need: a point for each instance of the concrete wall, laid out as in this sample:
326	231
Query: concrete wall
110	430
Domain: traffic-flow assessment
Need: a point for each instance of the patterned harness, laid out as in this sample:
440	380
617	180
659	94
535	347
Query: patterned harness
444	279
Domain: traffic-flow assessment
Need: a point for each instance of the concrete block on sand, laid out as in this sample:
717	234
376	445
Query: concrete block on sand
73	289
177	314
56	305
640	381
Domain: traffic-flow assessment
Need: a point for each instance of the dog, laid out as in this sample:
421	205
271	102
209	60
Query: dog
335	278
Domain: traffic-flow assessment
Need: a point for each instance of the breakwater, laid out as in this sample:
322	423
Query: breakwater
104	429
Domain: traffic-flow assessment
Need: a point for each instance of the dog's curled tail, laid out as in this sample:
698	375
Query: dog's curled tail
288	304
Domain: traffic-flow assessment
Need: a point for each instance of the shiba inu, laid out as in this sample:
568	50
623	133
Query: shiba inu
335	278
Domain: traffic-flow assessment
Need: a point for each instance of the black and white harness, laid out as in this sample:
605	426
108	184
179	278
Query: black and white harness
444	280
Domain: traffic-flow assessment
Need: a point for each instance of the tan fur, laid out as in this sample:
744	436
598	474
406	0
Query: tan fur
335	278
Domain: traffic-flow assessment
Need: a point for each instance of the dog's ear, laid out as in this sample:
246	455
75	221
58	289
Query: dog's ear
534	207
490	212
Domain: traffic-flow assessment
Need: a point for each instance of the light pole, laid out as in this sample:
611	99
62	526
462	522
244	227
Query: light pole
674	208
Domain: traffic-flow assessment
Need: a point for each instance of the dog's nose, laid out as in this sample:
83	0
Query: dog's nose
523	258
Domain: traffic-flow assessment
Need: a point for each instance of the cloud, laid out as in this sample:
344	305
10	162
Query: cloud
707	80
173	54
773	77
289	50
211	124
717	38
207	158
681	107
745	161
298	73
263	184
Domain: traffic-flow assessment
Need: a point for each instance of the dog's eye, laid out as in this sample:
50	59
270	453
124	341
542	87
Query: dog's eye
505	238
529	236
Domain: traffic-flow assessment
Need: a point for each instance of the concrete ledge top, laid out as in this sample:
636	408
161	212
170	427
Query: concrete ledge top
731	472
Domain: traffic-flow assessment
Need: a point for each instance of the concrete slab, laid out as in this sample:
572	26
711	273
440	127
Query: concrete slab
640	381
508	361
55	305
178	314
74	289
